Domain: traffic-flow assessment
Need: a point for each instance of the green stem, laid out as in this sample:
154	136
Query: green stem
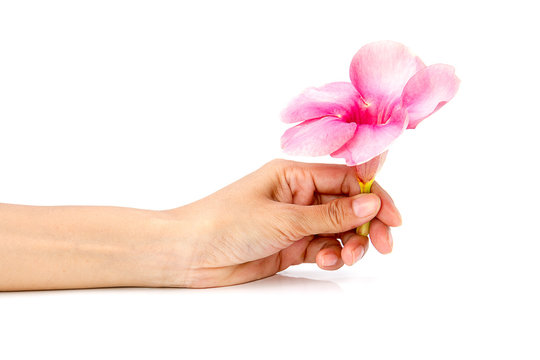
365	188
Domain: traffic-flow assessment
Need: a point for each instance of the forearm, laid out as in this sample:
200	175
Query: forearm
60	247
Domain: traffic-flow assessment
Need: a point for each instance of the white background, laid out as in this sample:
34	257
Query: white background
154	104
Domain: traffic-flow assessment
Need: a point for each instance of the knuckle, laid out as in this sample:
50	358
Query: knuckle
293	225
277	163
300	226
335	214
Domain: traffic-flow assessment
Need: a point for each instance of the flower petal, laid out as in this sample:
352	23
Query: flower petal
317	137
366	172
336	99
380	70
428	90
371	140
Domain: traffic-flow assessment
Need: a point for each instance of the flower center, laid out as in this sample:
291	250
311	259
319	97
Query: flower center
373	113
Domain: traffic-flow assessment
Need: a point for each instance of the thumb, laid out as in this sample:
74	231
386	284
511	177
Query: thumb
338	216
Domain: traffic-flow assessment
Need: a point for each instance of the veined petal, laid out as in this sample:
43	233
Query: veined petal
366	172
380	70
370	140
338	99
428	90
317	137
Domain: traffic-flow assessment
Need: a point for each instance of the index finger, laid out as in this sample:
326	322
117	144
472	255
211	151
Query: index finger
332	181
335	181
327	178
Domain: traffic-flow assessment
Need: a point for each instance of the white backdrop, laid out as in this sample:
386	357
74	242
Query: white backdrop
154	104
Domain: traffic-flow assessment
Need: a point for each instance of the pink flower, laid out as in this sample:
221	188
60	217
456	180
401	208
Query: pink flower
390	90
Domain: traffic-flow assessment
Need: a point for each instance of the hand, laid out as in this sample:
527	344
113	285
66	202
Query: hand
285	213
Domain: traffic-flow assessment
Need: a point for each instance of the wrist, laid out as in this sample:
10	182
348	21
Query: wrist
168	256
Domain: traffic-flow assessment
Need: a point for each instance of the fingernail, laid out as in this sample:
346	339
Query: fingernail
390	239
329	260
365	205
358	254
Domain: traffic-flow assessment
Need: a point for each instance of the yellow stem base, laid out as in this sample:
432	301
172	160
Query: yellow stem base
364	189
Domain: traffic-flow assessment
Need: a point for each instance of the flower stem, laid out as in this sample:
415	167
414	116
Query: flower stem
365	188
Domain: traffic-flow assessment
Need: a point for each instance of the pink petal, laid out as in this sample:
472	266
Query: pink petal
367	171
336	99
380	70
317	137
428	90
371	140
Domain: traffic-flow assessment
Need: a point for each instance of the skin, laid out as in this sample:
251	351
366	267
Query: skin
283	214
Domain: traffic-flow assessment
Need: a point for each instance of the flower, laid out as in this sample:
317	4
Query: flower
390	90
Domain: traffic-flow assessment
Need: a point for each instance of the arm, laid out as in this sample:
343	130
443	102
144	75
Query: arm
283	214
57	247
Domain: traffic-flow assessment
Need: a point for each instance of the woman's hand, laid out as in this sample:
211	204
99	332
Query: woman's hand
285	213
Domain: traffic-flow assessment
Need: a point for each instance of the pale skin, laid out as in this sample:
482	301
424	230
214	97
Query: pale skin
283	214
